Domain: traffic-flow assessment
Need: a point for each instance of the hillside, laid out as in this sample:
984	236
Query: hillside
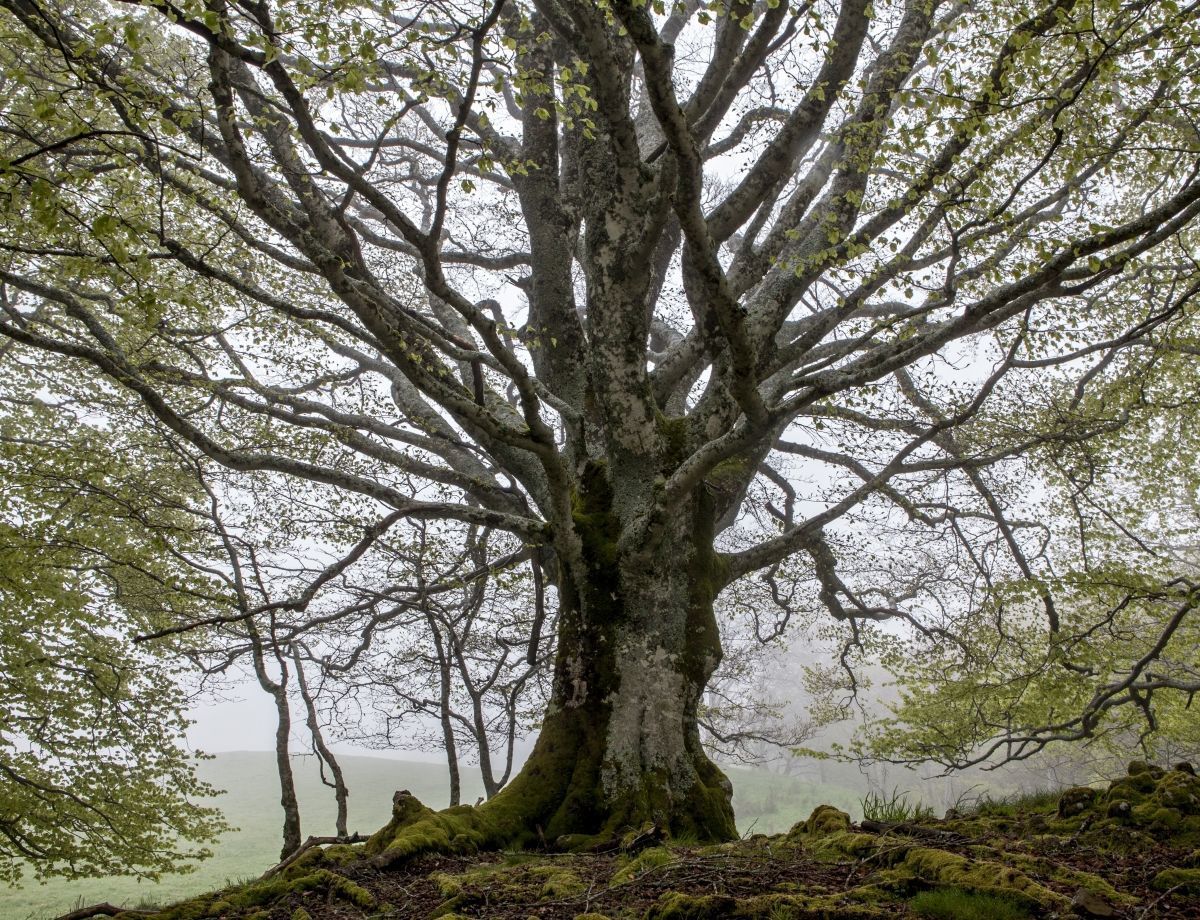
1128	849
764	803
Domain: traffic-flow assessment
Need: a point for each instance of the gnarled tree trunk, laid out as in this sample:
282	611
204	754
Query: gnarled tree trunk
638	641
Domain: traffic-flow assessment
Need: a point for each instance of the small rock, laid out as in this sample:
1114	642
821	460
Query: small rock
1087	903
1140	768
1120	809
1184	767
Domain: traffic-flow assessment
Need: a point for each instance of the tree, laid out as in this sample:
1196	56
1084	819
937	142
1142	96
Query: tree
463	660
94	777
675	294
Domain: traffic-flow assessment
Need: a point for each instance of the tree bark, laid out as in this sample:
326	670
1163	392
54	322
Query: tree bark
445	712
283	730
325	756
638	641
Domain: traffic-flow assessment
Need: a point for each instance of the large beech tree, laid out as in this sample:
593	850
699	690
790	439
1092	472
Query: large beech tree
677	294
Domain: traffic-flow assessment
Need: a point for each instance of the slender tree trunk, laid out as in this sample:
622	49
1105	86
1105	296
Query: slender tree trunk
445	713
283	731
340	792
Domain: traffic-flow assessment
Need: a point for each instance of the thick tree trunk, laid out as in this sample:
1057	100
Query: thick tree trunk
620	746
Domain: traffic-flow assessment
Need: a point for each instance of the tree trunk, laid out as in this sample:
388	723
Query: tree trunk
619	748
638	641
445	714
283	730
325	757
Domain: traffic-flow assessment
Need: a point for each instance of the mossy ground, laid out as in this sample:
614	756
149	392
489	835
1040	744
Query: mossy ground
1008	861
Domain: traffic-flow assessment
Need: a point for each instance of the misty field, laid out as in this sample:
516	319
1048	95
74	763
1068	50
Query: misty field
764	803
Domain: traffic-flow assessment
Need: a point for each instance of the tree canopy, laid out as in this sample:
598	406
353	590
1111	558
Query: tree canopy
873	308
95	780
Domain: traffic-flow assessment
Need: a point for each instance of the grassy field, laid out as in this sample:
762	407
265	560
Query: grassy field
764	803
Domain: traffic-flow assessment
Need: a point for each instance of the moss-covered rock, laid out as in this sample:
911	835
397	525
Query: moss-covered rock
1185	880
940	867
1141	768
1075	801
825	819
1179	791
842	844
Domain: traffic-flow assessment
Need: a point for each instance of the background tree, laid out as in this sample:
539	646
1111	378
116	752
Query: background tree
599	274
462	660
94	778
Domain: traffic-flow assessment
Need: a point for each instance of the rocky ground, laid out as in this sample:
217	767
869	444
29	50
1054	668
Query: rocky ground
1131	850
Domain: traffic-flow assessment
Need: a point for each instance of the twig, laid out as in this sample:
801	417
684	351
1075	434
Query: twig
1153	904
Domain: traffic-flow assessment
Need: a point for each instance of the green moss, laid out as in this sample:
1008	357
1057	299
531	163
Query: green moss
729	475
591	508
1141	768
448	886
560	884
301	914
939	867
806	907
647	859
416	830
825	819
520	882
1075	801
674	432
839	845
1068	877
195	909
1185	880
342	854
1179	791
957	904
278	887
675	905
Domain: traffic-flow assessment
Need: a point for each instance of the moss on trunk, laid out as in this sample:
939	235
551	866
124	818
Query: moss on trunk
620	747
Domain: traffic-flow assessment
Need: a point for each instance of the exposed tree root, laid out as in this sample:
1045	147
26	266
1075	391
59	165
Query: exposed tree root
101	910
308	845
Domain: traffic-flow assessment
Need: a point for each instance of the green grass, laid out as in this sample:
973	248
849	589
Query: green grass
763	803
956	904
1035	801
252	804
894	808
